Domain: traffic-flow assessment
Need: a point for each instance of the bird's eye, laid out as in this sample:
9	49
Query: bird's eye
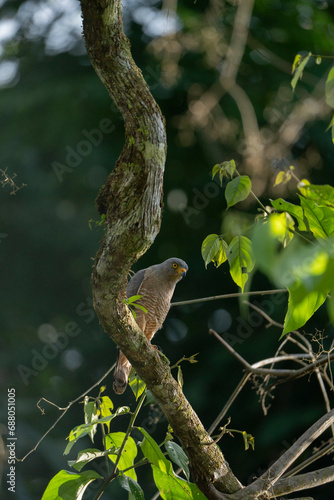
175	265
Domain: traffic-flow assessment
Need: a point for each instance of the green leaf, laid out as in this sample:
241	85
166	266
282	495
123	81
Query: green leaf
121	410
298	68
153	453
286	226
129	453
214	250
210	247
76	434
320	219
133	298
302	306
266	244
225	169
84	429
295	210
321	194
329	89
142	308
136	384
308	273
179	376
215	170
221	256
130	485
69	486
86	456
248	440
280	177
105	407
91	415
241	260
237	190
178	456
296	62
172	487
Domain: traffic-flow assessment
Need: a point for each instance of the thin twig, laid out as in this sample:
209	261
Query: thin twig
64	411
229	403
274	372
320	453
308	348
228	296
303	481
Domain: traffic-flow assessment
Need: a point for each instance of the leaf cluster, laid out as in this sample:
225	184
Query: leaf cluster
293	244
120	450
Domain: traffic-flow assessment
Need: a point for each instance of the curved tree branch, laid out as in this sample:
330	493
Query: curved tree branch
132	201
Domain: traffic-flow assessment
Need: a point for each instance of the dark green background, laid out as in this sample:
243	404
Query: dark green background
47	246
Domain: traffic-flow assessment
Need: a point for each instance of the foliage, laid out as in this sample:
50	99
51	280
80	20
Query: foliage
132	302
292	244
120	450
299	64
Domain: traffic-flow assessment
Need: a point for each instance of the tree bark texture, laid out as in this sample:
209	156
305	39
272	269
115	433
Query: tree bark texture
132	202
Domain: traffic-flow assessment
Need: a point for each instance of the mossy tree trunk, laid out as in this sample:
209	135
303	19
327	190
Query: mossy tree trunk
132	202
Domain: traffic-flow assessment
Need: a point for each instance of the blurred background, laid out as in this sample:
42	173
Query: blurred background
61	135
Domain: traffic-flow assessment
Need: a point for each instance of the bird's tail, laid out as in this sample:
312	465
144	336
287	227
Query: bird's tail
121	373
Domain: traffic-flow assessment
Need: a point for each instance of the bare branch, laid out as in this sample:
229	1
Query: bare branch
315	456
303	481
267	481
228	296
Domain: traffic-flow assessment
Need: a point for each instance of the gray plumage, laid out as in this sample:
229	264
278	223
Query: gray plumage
156	284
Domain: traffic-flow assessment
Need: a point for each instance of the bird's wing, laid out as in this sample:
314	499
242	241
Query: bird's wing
135	283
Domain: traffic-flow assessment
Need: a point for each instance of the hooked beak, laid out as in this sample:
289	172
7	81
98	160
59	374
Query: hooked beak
183	272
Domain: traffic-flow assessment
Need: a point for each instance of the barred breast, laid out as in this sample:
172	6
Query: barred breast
156	300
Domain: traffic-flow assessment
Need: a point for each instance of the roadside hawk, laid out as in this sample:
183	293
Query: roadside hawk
156	285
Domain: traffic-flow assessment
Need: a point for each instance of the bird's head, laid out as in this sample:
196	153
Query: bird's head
175	268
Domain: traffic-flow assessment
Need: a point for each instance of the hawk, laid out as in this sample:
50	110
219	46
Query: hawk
156	285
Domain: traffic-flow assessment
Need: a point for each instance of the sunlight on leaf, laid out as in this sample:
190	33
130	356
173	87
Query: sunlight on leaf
153	453
136	384
237	190
68	485
172	487
115	439
298	68
295	210
241	260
